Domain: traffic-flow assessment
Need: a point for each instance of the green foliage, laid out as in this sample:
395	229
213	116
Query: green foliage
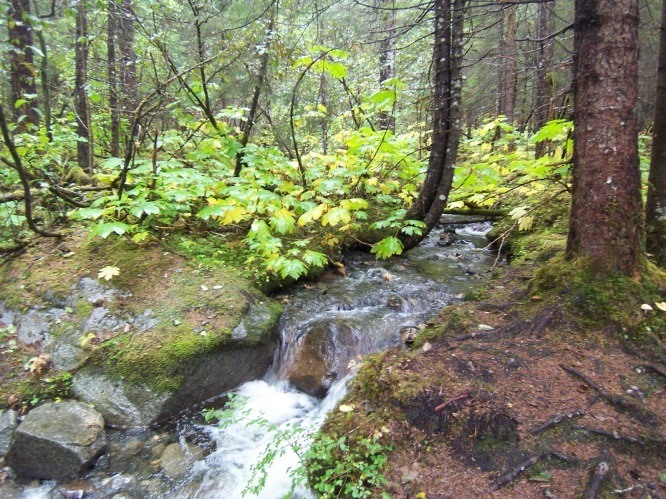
342	467
497	168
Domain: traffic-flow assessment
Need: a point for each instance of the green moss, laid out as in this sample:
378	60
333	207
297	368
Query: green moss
603	300
30	392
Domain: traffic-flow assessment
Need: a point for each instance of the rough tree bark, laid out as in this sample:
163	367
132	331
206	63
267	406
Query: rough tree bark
543	89
254	107
84	148
128	81
510	66
386	55
22	64
655	212
112	69
447	82
606	213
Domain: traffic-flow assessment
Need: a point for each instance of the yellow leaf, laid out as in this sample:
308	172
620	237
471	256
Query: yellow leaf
661	306
107	273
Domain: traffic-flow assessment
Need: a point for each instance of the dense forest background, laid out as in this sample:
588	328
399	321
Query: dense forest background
301	127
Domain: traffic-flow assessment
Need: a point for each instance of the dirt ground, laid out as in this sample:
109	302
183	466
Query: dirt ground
534	407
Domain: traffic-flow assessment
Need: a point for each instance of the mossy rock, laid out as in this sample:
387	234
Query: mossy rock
165	334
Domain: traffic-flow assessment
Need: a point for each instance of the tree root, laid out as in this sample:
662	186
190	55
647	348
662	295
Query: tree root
514	327
555	420
601	471
659	443
511	475
654	369
619	403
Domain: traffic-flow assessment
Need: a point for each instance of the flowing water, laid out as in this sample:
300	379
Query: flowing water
365	311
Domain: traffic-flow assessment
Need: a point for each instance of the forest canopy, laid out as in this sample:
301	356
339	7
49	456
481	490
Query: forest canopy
300	128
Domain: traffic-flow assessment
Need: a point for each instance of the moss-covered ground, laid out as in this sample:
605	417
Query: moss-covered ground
193	292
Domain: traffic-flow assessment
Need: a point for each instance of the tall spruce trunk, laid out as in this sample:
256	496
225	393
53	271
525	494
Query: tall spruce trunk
446	127
21	64
386	13
543	88
655	212
84	148
112	69
606	213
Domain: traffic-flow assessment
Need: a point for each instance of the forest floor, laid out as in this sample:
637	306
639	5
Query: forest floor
513	395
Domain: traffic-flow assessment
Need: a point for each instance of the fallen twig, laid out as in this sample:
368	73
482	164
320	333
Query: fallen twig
599	474
619	403
452	401
555	420
511	475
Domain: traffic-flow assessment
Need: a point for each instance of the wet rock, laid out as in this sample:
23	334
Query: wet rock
324	357
101	319
447	238
96	293
33	327
56	441
7	317
177	459
395	302
8	423
122	405
76	489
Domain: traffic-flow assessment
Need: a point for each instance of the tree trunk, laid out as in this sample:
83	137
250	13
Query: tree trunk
112	68
606	213
501	68
21	64
656	198
128	81
544	80
254	108
510	67
84	148
386	56
447	80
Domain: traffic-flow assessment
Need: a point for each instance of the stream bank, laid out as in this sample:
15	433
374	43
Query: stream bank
369	309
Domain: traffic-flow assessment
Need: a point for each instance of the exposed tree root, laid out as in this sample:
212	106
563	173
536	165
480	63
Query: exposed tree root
555	420
654	369
613	435
514	327
511	475
619	403
601	471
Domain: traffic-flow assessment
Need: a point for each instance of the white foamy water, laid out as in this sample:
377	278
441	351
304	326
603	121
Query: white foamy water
272	417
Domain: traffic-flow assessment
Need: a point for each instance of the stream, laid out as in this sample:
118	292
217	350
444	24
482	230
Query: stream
338	318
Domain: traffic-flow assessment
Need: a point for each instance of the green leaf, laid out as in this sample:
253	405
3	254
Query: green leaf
105	229
314	258
291	267
387	247
336	216
89	213
283	221
148	207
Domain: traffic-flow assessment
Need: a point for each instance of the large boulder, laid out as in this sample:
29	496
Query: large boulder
57	441
247	355
324	356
